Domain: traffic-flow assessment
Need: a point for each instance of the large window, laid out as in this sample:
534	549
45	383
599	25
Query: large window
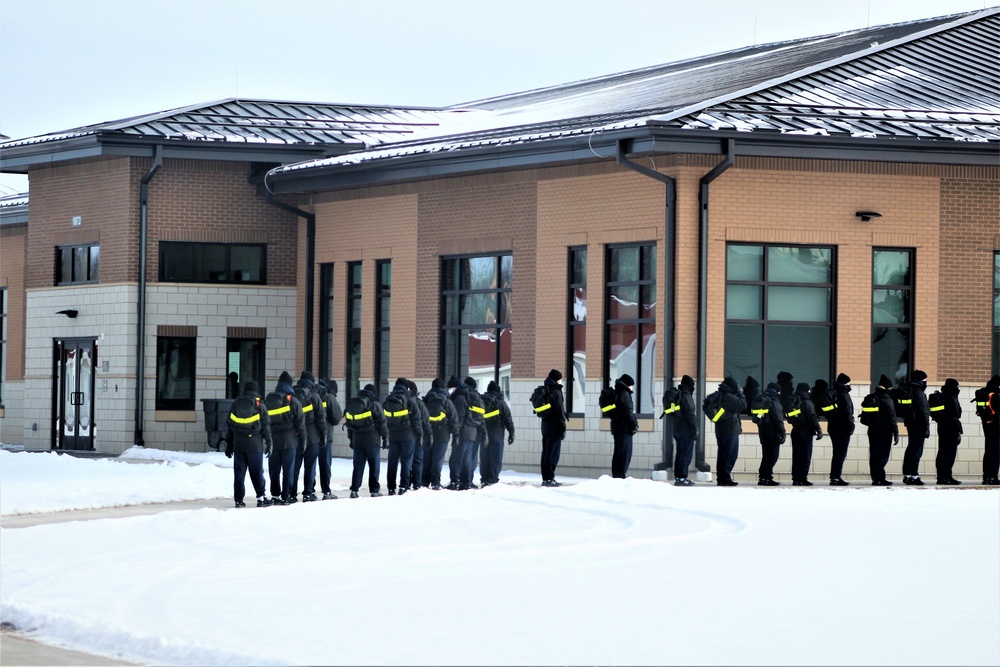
892	313
325	366
576	334
779	312
996	313
239	263
3	340
383	303
353	328
630	319
175	373
77	264
475	318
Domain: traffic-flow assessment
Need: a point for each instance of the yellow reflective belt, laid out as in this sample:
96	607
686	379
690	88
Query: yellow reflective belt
672	408
905	401
606	408
324	405
875	409
980	404
936	408
439	417
248	420
307	408
476	408
794	413
827	408
760	412
491	415
362	415
543	408
278	411
401	413
718	415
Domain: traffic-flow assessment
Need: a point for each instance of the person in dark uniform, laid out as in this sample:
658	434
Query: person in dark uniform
949	433
918	428
728	429
802	436
623	426
491	462
553	428
787	387
991	429
316	433
327	390
423	438
459	399
444	427
366	429
288	428
404	431
248	438
840	428
771	433
882	435
685	430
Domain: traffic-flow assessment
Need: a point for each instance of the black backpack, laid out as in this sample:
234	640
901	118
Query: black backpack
435	409
358	414
869	410
244	415
712	405
491	405
475	416
541	402
671	402
902	399
935	402
335	412
607	399
760	409
279	410
792	405
397	412
826	403
983	410
305	398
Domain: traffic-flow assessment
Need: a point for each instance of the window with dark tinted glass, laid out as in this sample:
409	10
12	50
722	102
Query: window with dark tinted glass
77	264
232	263
892	313
353	328
383	308
325	320
175	373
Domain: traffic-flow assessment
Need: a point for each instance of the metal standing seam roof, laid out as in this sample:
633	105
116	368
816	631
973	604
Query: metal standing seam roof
929	79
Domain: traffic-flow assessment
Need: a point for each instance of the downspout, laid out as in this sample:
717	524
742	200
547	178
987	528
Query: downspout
310	219
669	245
717	171
140	327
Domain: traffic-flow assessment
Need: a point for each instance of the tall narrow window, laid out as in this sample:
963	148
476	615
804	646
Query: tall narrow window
175	373
77	264
383	303
325	366
779	312
630	319
892	313
3	340
353	328
996	313
475	318
576	334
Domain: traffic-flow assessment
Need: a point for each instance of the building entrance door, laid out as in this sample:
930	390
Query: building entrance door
73	393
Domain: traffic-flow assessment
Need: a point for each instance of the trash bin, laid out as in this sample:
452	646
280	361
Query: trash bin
216	413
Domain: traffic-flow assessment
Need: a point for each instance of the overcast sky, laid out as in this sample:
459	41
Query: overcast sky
67	63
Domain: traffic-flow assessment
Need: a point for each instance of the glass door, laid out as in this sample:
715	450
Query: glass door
74	393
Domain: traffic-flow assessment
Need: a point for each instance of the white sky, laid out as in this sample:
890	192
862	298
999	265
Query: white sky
66	63
606	571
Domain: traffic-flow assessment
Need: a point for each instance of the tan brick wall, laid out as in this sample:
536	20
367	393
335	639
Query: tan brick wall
13	241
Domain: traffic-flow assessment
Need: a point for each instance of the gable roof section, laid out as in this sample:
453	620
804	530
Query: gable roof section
928	80
275	127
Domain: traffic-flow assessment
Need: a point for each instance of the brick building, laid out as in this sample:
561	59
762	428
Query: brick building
819	206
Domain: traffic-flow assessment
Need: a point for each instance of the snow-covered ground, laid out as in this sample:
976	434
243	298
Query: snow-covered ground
598	572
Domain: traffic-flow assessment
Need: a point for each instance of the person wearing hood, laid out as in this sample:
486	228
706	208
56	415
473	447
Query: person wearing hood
471	433
685	430
423	442
498	419
445	427
949	433
327	390
553	428
771	432
803	431
728	429
840	428
248	438
403	419
366	428
918	428
623	426
883	434
785	382
308	456
288	429
991	429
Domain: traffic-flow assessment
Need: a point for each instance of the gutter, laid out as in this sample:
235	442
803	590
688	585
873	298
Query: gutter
669	252
140	331
700	463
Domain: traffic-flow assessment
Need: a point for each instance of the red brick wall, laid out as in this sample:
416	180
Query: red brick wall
12	246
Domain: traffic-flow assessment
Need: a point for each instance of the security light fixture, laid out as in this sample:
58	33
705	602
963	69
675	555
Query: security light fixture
71	314
867	215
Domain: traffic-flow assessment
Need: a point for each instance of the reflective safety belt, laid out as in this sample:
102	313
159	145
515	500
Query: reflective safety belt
937	408
476	408
247	420
399	413
307	408
718	415
438	418
491	415
760	412
279	411
544	408
874	409
362	415
606	408
794	413
673	407
827	408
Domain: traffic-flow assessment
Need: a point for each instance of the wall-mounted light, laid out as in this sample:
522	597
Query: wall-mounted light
867	215
71	314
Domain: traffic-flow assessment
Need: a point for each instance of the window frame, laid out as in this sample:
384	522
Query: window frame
179	404
352	370
996	313
3	339
93	264
383	322
202	273
572	324
909	325
326	298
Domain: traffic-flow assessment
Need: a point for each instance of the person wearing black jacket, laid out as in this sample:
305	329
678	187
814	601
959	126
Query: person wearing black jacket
316	432
327	390
685	430
623	426
918	428
288	428
404	431
840	427
991	429
491	461
423	439
469	436
771	433
553	428
803	431
949	433
365	443
883	434
247	440
445	426
728	429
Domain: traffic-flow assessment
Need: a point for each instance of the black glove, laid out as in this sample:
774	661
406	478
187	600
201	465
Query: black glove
895	439
229	450
819	436
385	444
510	439
267	449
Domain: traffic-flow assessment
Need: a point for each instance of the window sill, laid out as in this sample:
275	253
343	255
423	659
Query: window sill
176	416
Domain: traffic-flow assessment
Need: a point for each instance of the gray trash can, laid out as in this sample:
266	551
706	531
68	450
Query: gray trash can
216	413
